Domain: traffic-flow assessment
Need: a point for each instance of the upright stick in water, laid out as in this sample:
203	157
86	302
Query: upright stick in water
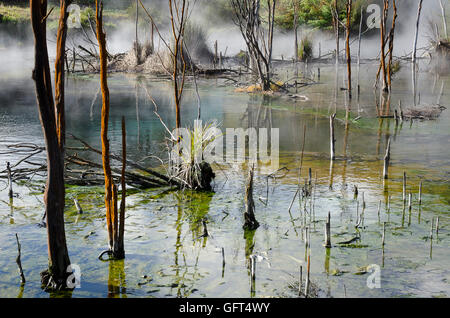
387	158
328	231
19	262
10	192
249	215
332	139
420	192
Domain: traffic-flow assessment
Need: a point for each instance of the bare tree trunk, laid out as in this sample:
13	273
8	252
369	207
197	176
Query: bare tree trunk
120	251
246	17
137	50
444	21
295	31
383	44
332	138
178	26
109	193
359	38
417	32
336	29
391	45
59	74
387	158
56	275
250	222
349	59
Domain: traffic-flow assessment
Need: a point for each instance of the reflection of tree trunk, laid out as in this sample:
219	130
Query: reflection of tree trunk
116	279
54	190
137	116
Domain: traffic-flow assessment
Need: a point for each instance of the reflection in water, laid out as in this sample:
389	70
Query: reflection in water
249	236
177	220
193	207
21	289
327	260
117	287
11	206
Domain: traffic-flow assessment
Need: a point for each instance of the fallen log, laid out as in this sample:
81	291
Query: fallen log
128	162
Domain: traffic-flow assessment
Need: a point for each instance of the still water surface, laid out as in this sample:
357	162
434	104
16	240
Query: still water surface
165	258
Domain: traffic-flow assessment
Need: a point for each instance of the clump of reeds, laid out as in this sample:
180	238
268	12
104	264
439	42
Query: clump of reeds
187	164
305	50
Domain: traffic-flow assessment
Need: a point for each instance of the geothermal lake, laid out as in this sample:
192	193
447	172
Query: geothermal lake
165	256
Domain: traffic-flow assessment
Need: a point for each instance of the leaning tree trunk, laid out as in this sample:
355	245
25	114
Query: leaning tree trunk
56	275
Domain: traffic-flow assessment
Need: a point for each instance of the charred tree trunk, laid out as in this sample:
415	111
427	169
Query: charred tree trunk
120	251
56	275
250	222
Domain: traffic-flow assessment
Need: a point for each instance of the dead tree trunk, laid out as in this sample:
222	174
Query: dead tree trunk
259	43
295	31
178	14
419	10
110	189
391	44
383	44
444	21
332	138
250	222
349	59
336	29
56	275
119	252
387	159
59	74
